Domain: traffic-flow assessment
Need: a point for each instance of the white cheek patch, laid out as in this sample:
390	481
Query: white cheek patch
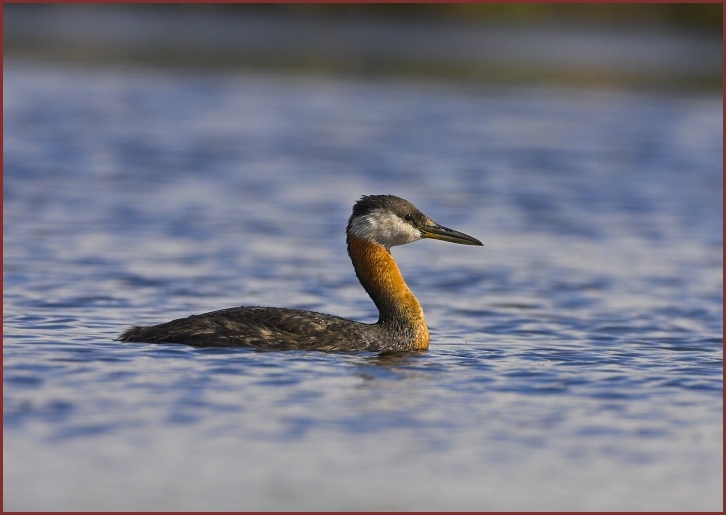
385	229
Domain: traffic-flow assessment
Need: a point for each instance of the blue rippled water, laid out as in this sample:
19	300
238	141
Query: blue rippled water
575	360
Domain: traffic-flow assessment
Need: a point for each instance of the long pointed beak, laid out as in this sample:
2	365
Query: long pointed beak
439	232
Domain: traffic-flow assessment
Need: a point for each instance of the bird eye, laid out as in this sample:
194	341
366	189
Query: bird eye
408	217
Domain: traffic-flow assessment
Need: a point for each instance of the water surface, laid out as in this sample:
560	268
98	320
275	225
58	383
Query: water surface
575	360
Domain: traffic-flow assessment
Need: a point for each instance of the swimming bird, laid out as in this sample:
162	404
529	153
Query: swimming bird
378	222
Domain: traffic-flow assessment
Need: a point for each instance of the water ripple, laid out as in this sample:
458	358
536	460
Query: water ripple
584	338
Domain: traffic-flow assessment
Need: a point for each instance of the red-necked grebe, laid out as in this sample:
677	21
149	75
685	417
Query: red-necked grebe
378	223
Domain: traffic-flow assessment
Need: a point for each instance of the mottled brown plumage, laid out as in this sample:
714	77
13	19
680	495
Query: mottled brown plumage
378	222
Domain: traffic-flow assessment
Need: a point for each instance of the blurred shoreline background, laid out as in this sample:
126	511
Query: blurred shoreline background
663	46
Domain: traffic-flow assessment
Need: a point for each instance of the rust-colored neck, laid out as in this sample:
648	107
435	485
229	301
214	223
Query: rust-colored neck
399	311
